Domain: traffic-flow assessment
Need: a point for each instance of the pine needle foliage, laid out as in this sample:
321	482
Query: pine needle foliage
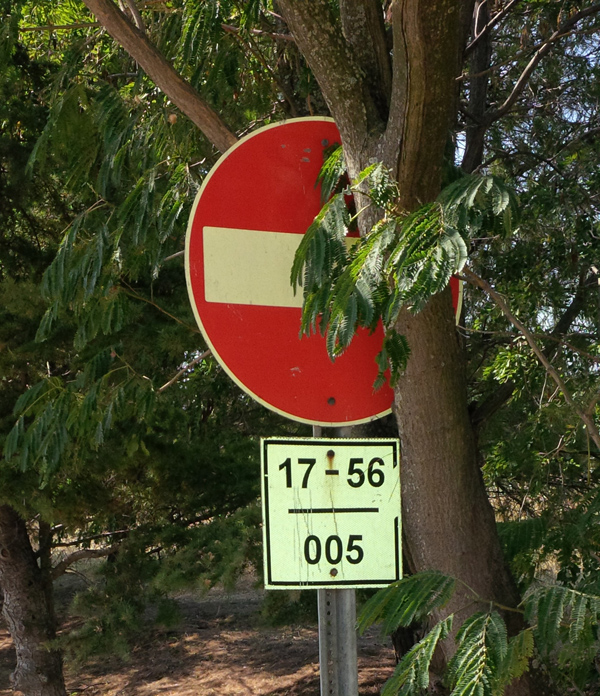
401	262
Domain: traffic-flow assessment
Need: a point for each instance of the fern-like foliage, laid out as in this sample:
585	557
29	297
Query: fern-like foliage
407	601
411	676
132	165
563	617
562	622
332	176
53	415
482	646
402	261
485	662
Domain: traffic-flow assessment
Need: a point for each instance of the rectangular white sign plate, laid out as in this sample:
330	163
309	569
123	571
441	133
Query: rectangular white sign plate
251	267
331	512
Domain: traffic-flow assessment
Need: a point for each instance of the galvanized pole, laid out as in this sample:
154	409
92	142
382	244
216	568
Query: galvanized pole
337	632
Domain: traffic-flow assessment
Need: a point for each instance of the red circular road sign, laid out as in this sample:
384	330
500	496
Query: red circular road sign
243	231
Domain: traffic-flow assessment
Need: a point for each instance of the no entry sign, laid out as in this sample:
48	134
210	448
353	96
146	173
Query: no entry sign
331	511
245	227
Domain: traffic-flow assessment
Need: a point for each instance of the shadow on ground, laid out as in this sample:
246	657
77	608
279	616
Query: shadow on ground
220	649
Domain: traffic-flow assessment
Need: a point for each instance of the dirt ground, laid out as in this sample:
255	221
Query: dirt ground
221	648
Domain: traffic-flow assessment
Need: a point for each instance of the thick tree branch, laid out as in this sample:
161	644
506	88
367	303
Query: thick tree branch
574	309
319	37
478	89
364	29
394	132
183	95
135	13
550	369
431	44
81	555
592	405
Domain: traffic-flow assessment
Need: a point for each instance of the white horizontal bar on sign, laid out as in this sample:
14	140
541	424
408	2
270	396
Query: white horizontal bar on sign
249	267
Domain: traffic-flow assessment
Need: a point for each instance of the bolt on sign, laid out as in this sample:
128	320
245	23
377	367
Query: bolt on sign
331	511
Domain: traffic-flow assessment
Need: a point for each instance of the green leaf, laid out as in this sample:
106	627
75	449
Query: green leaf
559	614
406	601
516	662
411	676
332	172
481	650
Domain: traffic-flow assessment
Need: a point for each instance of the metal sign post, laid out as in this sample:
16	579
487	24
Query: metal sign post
338	657
337	642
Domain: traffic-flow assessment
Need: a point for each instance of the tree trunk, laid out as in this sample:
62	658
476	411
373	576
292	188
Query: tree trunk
447	518
448	521
27	612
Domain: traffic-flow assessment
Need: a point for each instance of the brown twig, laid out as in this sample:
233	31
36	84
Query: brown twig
61	27
537	57
87	540
81	555
132	293
258	32
492	23
182	372
550	369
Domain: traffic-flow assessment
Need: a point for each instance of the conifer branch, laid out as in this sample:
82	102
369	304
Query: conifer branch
551	370
81	555
88	539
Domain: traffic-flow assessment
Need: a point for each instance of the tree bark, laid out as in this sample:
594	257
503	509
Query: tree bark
28	611
478	87
447	519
